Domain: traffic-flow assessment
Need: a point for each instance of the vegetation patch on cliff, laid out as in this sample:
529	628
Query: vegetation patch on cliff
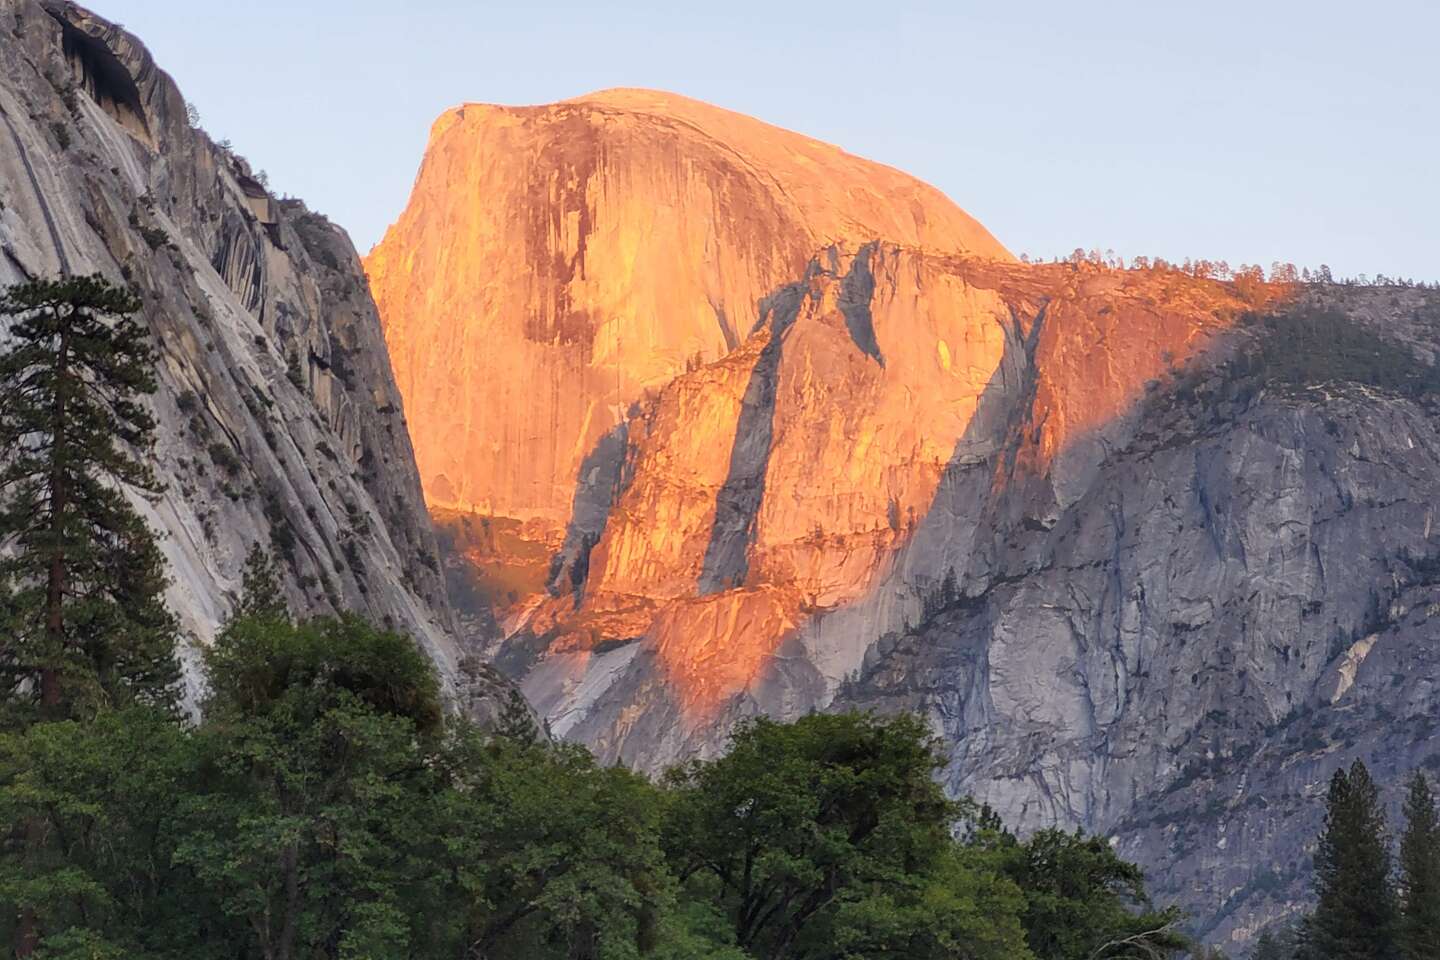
1308	343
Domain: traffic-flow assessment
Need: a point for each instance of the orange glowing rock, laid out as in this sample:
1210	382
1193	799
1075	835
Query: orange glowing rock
722	374
556	262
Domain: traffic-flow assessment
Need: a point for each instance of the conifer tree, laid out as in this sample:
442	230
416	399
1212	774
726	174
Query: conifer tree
1267	947
1282	943
261	597
1356	911
1420	874
517	719
81	592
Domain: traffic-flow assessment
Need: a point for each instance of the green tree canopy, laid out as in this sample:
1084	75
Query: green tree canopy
315	793
99	880
1083	902
553	854
825	831
266	666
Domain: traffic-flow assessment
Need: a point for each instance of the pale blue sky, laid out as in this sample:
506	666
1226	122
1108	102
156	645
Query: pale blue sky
1245	131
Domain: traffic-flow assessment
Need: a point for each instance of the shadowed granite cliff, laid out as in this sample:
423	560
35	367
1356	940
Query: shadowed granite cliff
278	419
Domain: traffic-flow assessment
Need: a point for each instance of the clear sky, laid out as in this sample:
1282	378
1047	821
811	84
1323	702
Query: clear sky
1245	131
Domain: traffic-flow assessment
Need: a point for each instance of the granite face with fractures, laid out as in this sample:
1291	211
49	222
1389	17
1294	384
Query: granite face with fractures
279	420
557	264
795	433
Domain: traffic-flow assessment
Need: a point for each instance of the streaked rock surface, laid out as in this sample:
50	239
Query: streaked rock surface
557	263
279	420
728	422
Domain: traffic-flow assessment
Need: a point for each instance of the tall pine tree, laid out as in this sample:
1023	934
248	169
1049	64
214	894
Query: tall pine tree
81	591
1356	912
1420	874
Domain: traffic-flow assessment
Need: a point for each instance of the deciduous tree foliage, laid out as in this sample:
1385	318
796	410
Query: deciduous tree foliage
312	792
327	808
100	880
799	823
1083	902
552	855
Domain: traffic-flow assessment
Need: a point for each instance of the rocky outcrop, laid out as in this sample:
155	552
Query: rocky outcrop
733	423
557	263
781	510
279	420
1178	643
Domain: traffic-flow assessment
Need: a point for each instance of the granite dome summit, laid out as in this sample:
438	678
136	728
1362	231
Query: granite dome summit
721	420
601	245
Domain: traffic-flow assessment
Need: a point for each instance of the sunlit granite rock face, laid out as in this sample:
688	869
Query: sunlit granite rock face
726	422
779	511
718	373
279	420
556	263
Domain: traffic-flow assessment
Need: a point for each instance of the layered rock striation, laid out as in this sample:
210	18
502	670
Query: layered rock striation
279	421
